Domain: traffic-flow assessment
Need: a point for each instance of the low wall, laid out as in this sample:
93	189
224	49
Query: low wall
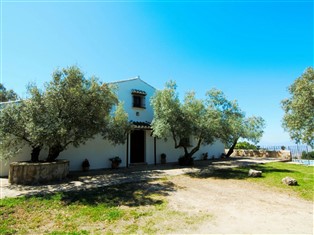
282	154
39	172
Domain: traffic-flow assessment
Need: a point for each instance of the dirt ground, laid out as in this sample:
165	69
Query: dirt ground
236	206
241	207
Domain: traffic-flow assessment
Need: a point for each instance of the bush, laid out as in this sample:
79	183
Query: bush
116	159
309	155
245	145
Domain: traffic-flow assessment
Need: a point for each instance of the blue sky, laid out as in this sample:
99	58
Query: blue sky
251	50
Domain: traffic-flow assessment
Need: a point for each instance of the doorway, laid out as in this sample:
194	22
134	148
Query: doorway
137	146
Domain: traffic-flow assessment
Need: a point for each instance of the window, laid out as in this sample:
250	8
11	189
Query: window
138	101
138	98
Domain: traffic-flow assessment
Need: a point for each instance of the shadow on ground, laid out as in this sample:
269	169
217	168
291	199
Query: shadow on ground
92	180
85	181
127	194
233	170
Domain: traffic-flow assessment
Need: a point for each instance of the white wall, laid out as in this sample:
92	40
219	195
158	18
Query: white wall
98	151
124	94
24	155
214	151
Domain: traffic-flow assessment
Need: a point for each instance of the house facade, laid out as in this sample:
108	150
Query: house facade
140	148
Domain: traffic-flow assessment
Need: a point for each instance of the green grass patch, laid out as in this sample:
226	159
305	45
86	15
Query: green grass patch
274	172
272	175
120	209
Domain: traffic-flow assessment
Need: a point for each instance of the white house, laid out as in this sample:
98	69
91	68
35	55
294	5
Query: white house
140	148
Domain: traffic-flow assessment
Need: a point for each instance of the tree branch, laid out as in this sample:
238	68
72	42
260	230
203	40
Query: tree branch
175	140
197	147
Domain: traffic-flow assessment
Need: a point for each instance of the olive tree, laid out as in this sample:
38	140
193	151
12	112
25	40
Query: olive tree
7	95
298	119
22	123
251	128
206	120
118	126
193	118
233	123
78	109
71	110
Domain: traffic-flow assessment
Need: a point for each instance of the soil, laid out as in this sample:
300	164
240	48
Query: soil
235	206
242	207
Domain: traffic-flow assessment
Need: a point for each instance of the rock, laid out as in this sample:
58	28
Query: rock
289	181
255	173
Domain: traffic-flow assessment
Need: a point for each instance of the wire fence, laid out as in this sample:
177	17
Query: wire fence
296	150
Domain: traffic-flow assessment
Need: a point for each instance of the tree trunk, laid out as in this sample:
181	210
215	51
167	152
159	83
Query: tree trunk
35	154
187	159
54	152
232	148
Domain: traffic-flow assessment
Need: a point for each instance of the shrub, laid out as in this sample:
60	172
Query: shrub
163	156
245	145
116	159
309	155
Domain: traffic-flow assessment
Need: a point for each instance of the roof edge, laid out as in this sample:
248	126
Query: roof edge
132	79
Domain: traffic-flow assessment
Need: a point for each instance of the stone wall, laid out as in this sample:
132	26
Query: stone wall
282	154
39	172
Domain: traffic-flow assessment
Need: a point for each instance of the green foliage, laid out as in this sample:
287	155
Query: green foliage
299	109
71	110
78	109
203	120
118	126
7	95
309	155
116	159
192	118
23	123
233	123
245	145
11	131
